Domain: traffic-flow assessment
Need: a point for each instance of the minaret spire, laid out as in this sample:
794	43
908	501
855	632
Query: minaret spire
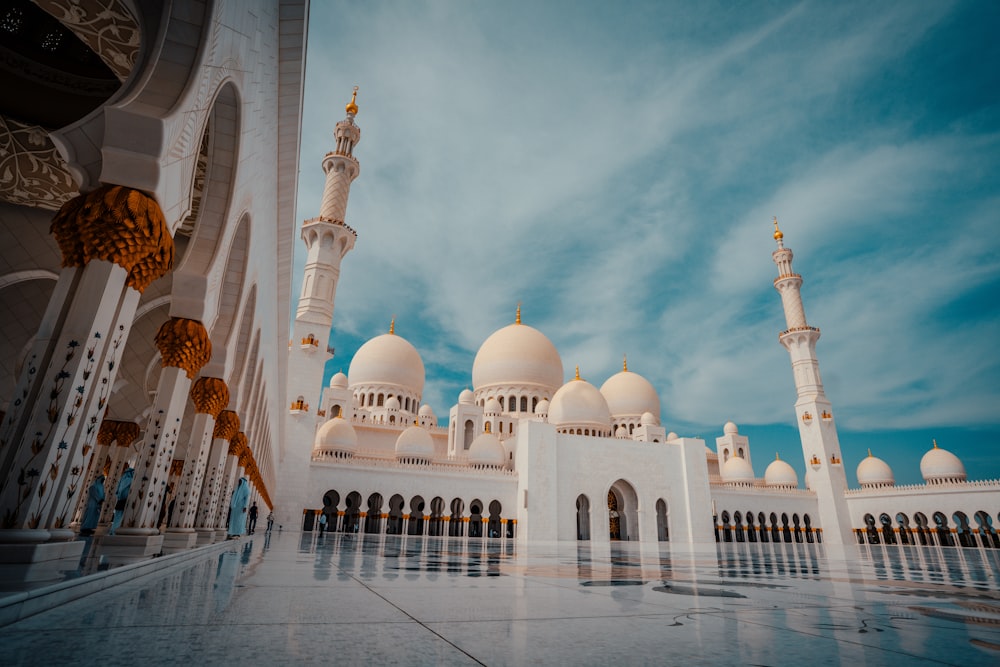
326	236
817	432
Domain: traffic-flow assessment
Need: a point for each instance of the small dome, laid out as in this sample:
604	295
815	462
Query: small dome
466	397
940	465
649	419
737	470
730	429
486	450
674	436
492	406
338	381
542	409
629	395
388	359
517	355
621	432
781	474
392	403
426	411
873	472
579	404
415	443
336	435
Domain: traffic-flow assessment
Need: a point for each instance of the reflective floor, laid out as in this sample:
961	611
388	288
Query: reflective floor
356	599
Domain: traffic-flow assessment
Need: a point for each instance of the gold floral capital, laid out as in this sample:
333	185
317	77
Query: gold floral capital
118	225
184	344
107	433
127	433
227	425
237	444
210	396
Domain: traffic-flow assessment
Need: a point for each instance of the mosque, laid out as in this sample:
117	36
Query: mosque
147	364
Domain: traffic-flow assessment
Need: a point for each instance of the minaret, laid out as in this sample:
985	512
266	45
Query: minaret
817	431
327	238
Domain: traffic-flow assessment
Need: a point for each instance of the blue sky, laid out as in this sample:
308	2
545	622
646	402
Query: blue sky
615	168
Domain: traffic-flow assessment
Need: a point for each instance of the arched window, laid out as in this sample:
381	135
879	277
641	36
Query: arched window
500	401
524	404
904	529
662	524
381	400
470	433
534	405
871	530
727	529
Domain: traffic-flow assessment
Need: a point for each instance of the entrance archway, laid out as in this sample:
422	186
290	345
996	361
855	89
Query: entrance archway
623	519
582	518
331	499
662	526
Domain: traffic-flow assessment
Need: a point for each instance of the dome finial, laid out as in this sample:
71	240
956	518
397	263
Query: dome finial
577	373
487	428
517	318
869	452
935	443
776	457
625	363
392	326
340	411
352	106
777	232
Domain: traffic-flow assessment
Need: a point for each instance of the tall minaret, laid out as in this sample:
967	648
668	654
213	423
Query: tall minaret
817	431
328	240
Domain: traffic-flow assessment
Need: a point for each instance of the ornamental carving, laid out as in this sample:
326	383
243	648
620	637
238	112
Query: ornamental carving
105	26
210	396
32	172
184	344
237	444
227	425
118	225
108	432
127	433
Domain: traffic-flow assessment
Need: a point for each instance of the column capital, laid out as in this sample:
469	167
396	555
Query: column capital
126	433
184	344
227	425
210	396
237	444
118	225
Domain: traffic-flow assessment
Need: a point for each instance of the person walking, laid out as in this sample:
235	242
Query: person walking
322	524
253	518
270	521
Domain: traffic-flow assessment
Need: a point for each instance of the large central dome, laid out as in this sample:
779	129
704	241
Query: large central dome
388	359
517	355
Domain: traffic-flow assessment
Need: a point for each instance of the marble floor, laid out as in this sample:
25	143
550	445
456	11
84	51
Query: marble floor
286	599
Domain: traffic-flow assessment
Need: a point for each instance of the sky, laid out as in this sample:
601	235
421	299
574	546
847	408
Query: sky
615	169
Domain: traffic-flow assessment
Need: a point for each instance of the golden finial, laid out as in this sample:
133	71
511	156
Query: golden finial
340	411
392	326
777	232
487	428
517	318
935	443
625	363
869	452
776	457
577	373
352	106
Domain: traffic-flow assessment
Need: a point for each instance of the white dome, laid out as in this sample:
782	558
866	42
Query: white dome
673	436
579	404
542	409
630	395
873	471
780	473
426	411
336	435
940	465
730	429
736	470
517	355
392	403
415	443
338	381
388	359
466	397
486	450
621	432
649	419
492	406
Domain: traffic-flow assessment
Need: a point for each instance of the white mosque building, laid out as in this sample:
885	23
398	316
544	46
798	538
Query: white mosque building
526	455
146	254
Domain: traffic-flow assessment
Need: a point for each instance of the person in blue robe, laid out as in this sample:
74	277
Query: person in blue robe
92	512
238	509
124	486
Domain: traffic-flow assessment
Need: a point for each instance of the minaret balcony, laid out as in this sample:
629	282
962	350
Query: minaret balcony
298	408
310	343
815	462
